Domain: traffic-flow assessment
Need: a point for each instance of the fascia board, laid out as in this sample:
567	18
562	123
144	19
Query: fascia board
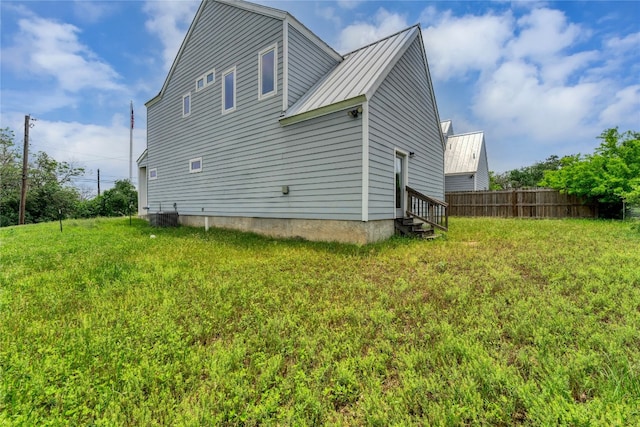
323	111
178	56
443	139
142	156
256	8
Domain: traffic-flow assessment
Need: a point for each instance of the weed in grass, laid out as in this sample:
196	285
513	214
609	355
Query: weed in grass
504	322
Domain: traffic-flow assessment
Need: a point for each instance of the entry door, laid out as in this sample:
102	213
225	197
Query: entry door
401	174
142	190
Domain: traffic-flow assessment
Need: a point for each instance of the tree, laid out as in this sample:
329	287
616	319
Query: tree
50	193
609	175
528	176
120	199
497	181
10	178
49	185
117	201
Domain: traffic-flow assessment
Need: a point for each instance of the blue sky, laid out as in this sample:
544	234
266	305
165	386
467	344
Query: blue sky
539	78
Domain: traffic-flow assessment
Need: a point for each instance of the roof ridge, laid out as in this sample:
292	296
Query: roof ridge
466	133
381	40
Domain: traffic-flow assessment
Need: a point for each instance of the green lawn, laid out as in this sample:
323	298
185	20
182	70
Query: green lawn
501	322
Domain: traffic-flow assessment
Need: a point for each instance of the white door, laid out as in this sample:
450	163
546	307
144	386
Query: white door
142	190
401	176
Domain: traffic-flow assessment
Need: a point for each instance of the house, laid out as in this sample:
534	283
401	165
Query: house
261	126
465	160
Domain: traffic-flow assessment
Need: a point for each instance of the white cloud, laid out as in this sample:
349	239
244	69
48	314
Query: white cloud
457	46
628	43
49	49
37	101
91	146
329	14
360	34
349	4
561	69
517	101
535	85
170	20
92	11
543	34
624	111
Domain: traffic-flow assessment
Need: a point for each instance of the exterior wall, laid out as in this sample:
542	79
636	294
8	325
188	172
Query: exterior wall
308	63
464	182
247	156
459	182
357	232
482	177
402	115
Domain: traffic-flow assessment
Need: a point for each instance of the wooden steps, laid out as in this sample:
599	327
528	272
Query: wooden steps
412	227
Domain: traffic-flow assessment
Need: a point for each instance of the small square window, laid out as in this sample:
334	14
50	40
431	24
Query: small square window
205	80
195	165
186	105
153	174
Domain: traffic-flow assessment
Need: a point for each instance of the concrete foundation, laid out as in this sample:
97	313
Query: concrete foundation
357	232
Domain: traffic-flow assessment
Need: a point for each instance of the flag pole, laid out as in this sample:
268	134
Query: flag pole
131	145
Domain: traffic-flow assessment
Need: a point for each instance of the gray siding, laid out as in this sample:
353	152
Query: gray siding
471	181
246	155
459	183
402	115
482	177
308	63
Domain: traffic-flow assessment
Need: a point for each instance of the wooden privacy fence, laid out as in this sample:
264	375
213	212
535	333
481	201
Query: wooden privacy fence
534	203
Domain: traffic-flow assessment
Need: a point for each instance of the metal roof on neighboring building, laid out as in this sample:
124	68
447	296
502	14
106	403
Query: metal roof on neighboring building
447	127
462	153
358	76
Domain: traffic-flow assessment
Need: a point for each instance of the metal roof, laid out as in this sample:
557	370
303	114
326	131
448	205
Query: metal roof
358	76
462	153
447	127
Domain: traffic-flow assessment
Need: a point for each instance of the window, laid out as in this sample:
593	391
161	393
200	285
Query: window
195	165
153	174
205	80
186	105
267	65
229	91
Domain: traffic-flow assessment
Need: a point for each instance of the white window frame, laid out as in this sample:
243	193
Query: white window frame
274	48
153	171
191	162
206	83
203	79
188	95
224	95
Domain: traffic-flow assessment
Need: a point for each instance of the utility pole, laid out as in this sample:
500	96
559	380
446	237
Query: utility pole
131	145
25	166
98	182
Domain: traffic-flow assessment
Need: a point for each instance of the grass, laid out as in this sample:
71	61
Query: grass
502	322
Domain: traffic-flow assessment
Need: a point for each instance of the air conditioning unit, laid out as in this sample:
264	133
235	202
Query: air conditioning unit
163	219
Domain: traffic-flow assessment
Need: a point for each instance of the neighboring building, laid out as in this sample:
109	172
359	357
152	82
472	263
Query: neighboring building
262	126
465	160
